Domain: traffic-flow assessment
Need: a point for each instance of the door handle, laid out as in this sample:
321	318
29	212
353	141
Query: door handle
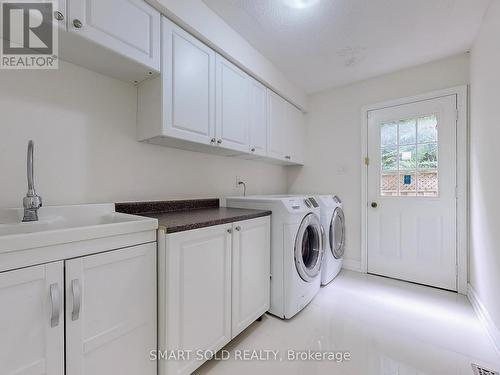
238	228
374	204
55	302
77	299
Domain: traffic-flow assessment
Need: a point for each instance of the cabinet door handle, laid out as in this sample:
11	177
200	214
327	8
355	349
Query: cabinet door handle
55	302
77	24
253	149
219	141
212	140
77	299
238	228
287	157
230	231
58	15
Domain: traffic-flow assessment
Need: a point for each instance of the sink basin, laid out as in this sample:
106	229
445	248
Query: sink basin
61	224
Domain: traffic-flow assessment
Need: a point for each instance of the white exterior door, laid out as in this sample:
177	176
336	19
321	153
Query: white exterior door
128	27
111	312
412	179
251	272
188	73
233	106
197	271
32	320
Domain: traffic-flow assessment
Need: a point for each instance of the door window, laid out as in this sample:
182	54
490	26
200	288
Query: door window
409	157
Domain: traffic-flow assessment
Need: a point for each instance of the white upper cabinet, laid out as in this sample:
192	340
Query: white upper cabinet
258	119
32	320
286	130
297	135
188	86
278	133
120	38
232	106
203	102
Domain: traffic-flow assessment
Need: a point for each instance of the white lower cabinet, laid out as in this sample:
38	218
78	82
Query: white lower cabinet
198	295
108	327
31	320
213	283
251	267
111	312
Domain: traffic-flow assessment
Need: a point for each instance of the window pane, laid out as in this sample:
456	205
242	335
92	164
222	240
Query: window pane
389	134
408	184
428	156
389	184
428	184
388	158
427	129
407	132
407	157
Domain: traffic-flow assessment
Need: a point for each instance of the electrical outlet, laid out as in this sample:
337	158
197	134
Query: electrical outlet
238	180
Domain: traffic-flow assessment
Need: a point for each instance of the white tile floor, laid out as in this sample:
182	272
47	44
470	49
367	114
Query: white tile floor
389	327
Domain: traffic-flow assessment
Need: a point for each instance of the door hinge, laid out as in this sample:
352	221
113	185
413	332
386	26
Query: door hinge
367	160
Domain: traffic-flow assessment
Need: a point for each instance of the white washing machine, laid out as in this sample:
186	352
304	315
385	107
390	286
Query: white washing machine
297	248
332	219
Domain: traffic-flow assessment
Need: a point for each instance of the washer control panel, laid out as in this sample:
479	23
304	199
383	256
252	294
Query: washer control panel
296	204
313	202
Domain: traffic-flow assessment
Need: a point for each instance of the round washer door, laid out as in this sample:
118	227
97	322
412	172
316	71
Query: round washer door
337	233
309	248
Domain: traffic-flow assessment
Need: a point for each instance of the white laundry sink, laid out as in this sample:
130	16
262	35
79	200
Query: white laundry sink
64	224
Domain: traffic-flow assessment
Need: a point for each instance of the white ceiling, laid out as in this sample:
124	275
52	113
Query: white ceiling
320	44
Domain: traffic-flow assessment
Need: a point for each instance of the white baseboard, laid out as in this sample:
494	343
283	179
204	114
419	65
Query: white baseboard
351	265
484	317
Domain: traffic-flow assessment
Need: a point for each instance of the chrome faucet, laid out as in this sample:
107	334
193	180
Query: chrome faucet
31	201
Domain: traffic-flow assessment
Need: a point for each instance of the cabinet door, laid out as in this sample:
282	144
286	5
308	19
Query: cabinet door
31	320
258	119
279	133
188	68
128	27
60	15
232	106
250	272
198	294
297	135
111	312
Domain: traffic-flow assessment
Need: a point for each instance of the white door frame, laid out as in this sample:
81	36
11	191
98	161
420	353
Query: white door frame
462	176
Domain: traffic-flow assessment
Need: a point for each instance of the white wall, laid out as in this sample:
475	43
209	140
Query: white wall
484	159
83	125
333	148
196	17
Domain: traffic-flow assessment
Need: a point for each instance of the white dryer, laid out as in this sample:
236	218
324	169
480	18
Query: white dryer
297	248
333	221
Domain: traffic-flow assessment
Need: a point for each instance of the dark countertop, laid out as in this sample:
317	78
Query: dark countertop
178	216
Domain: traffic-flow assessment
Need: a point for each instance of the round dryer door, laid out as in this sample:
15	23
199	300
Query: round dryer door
309	248
337	233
